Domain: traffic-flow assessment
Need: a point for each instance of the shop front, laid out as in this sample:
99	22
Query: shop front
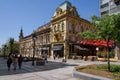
58	50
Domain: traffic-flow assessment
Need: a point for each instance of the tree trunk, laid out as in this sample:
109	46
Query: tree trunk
108	61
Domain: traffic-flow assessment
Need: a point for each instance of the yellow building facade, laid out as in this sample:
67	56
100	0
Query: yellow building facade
59	36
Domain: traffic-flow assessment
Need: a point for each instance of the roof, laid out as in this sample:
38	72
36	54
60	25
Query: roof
65	5
47	25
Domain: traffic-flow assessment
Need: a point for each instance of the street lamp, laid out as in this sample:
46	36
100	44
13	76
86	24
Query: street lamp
33	38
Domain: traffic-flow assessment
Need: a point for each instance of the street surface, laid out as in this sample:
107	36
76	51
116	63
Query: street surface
53	70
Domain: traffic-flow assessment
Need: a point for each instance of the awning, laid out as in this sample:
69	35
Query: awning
80	48
56	48
97	43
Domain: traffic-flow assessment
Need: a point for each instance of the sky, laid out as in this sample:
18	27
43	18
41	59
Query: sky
30	14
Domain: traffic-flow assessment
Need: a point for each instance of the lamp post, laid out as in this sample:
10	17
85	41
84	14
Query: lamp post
33	38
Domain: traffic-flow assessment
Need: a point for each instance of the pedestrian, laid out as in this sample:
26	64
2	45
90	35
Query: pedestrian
20	59
64	59
45	56
54	56
15	59
9	62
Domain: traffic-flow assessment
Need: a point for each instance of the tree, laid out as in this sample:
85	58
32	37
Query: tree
4	50
11	43
107	28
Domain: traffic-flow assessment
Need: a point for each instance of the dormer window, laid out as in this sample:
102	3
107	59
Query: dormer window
58	11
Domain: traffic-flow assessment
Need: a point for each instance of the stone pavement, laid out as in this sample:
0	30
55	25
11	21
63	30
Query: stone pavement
53	70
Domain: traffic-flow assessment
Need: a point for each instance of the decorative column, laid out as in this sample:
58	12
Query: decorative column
52	51
66	48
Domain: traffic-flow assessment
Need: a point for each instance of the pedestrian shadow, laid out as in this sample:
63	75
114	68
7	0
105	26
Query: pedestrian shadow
28	68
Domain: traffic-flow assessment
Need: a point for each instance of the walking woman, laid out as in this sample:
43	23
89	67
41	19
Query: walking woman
9	62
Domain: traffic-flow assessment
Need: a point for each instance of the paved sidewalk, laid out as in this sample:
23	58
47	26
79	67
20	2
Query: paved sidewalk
53	70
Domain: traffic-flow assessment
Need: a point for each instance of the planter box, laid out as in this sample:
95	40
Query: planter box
102	59
40	62
73	57
105	59
113	59
91	58
85	58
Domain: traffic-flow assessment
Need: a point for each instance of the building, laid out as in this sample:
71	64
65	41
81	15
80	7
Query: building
109	7
59	36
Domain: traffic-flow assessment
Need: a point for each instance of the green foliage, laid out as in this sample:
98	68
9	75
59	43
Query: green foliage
115	68
91	35
10	47
105	28
111	54
101	67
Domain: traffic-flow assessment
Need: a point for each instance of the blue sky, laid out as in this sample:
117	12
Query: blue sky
30	14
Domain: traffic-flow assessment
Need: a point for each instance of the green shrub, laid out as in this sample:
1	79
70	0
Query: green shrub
115	68
101	67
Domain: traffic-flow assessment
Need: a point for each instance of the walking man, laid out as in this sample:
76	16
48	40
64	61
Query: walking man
20	59
9	62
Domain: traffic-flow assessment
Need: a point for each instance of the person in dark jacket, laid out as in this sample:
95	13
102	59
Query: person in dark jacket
15	60
9	62
20	59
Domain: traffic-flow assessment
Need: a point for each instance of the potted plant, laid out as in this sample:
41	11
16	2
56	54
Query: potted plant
102	56
85	58
91	58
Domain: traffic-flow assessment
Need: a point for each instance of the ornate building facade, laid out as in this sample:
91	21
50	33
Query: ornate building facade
58	36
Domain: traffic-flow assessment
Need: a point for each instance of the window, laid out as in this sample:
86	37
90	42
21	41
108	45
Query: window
105	12
58	27
62	26
104	5
55	29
